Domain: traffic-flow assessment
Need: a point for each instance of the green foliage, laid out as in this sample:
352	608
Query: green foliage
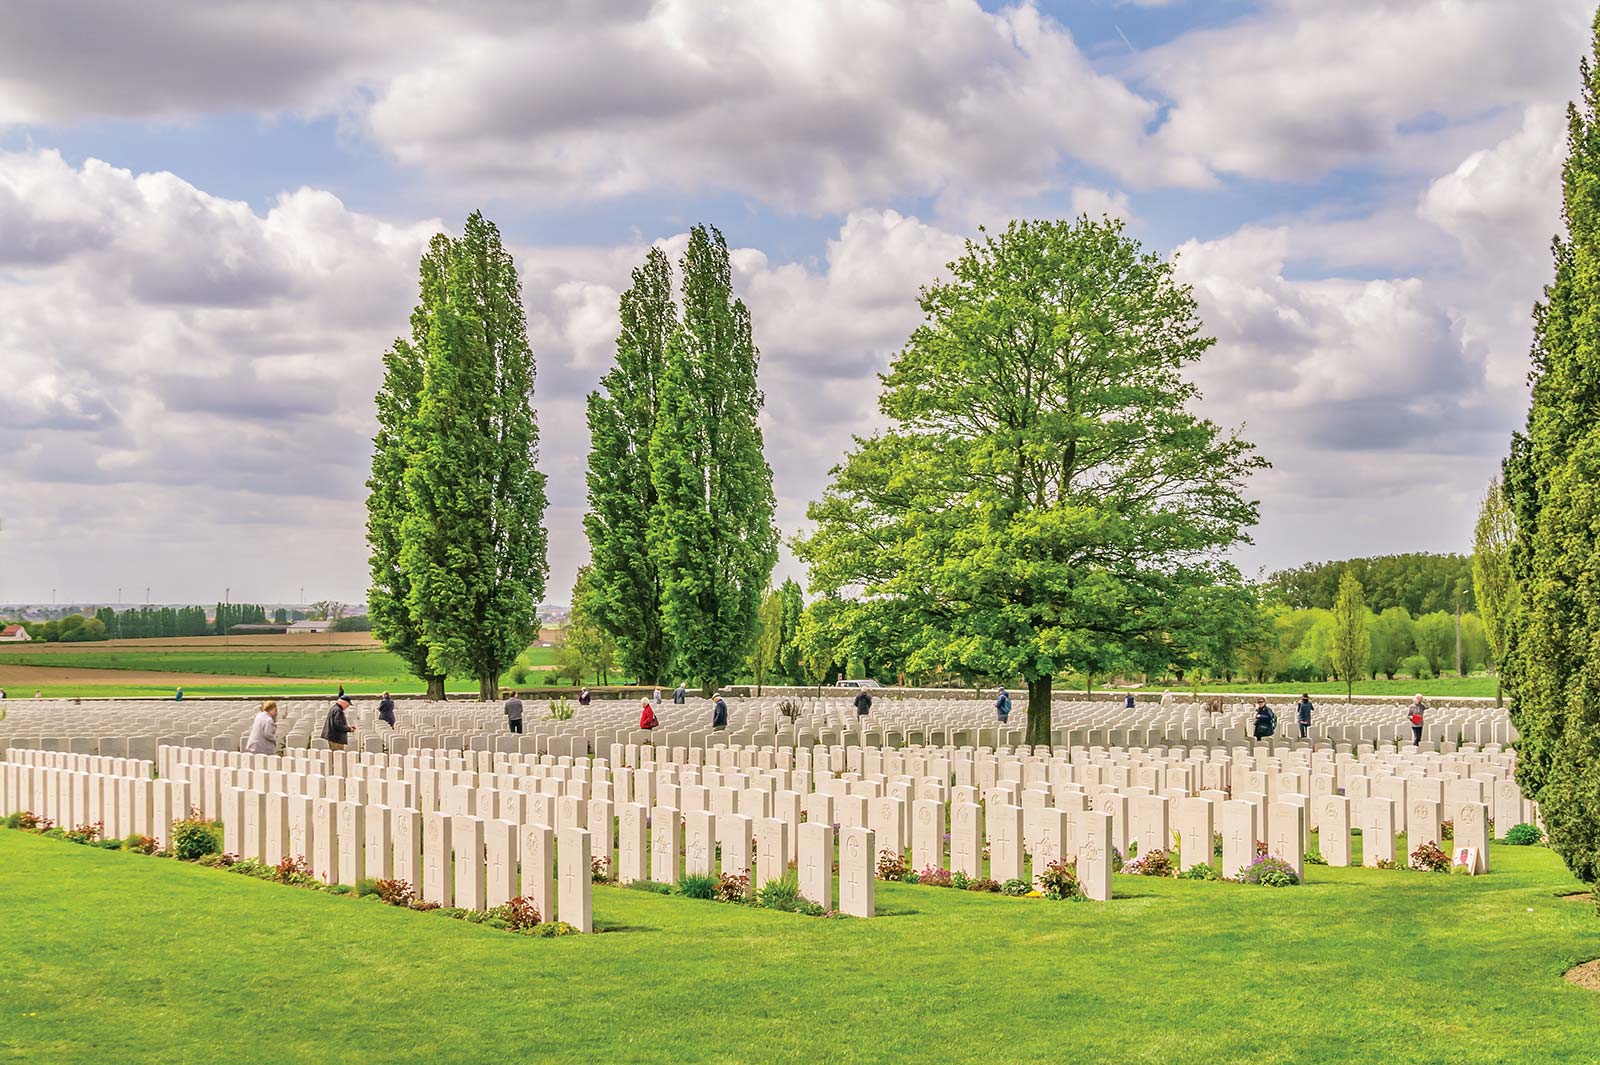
1202	871
1492	574
586	633
1352	646
1269	871
193	839
698	886
1393	639
1415	666
561	709
1552	482
1059	881
1043	495
711	535
769	639
1418	583
1436	640
471	539
1430	858
1524	835
653	886
1015	888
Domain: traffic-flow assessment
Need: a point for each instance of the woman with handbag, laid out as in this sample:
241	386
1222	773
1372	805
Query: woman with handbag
1418	708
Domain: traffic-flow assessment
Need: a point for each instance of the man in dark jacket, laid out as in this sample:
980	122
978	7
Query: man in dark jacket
386	710
337	728
1304	714
719	714
863	703
514	714
1266	720
680	695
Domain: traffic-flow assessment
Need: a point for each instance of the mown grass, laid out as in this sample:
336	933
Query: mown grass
113	956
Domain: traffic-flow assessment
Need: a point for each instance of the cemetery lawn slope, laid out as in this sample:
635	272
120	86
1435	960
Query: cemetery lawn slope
118	957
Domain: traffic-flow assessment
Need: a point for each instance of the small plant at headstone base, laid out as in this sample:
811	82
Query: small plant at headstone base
193	838
519	914
141	844
561	708
984	883
29	821
655	887
88	833
892	865
1429	858
423	905
1447	829
698	886
1059	881
784	895
1269	871
1524	835
293	869
394	892
252	867
733	887
789	708
1314	857
366	886
936	877
218	861
1216	844
1116	860
1199	871
960	881
1386	863
1152	863
340	889
1015	888
600	869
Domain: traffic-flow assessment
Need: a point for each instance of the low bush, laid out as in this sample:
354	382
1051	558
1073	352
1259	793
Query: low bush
294	870
394	892
1060	881
1201	871
600	869
784	895
983	883
892	866
960	881
1428	858
1152	863
139	844
193	838
1015	888
340	889
560	709
1524	835
733	887
653	886
698	886
1447	829
933	877
519	914
1314	857
1269	871
88	833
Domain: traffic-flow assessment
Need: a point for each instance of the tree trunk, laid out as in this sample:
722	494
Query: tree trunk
488	689
435	688
1458	638
1497	691
1039	712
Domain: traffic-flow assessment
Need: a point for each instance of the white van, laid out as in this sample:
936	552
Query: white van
867	683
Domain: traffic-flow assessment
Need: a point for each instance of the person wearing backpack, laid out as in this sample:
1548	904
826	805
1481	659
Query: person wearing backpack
863	703
1418	708
1266	720
1304	714
1002	705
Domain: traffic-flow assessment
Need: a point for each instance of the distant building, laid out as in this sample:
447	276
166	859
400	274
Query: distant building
14	634
552	637
311	626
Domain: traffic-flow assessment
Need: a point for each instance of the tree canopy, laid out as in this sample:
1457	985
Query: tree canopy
1419	582
1044	493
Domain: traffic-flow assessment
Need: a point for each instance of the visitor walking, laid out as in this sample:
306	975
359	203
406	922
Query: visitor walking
386	709
264	730
1418	708
680	695
862	703
655	697
341	692
336	728
719	714
514	714
176	698
583	697
647	715
1266	720
1166	699
1127	702
1304	713
1002	705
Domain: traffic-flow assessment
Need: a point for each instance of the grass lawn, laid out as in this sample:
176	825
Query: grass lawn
118	957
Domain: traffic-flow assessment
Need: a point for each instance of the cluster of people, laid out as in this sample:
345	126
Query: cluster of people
647	711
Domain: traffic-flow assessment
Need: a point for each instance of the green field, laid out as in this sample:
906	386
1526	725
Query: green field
114	956
358	665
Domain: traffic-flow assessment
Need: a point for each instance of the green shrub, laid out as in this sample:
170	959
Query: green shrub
1428	858
366	886
340	889
983	883
12	820
1524	835
653	886
519	674
781	894
960	881
1314	857
1015	888
698	886
1060	881
1268	871
561	708
1155	862
193	839
1202	871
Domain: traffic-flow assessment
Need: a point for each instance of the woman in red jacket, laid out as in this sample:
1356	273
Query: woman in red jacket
647	716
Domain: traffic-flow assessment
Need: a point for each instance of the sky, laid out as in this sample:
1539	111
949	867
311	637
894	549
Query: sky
211	214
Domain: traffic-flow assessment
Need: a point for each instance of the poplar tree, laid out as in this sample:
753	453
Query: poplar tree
1352	642
624	587
472	542
711	535
1551	666
387	499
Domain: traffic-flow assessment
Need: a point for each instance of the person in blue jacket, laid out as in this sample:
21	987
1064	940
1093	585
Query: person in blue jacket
1002	706
719	714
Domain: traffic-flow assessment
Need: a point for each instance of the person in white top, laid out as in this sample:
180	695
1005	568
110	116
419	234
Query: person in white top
264	730
1166	699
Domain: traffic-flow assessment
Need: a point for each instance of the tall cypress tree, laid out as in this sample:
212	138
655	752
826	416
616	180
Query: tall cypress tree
473	541
712	538
1552	481
624	587
387	499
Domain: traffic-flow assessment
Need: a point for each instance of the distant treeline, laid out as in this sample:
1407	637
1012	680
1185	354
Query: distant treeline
151	622
1419	583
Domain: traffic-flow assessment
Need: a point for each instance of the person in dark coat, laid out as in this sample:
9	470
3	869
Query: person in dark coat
1303	712
863	703
680	695
583	697
1127	703
1266	720
337	728
719	714
386	710
1002	705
